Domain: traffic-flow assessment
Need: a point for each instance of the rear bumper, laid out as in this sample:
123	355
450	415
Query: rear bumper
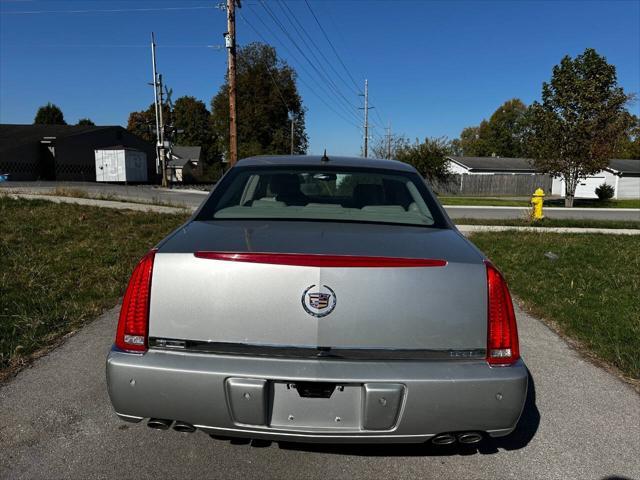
390	401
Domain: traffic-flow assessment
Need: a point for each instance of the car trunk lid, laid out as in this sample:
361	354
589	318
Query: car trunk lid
426	293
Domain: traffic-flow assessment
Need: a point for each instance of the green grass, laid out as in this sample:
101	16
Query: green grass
551	222
590	292
62	265
556	202
595	203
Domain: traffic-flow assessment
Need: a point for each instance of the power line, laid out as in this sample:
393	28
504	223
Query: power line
332	47
301	66
109	10
319	72
335	51
106	45
304	31
319	86
311	89
379	118
295	44
309	49
275	84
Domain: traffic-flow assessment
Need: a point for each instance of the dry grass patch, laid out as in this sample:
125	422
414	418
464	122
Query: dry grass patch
62	265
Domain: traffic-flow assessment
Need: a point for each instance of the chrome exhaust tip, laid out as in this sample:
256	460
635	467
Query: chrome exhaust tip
159	423
469	437
443	439
184	427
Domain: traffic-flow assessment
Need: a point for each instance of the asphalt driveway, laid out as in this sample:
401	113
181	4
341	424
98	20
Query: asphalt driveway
56	422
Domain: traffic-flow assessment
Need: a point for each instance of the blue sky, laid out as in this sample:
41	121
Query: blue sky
433	67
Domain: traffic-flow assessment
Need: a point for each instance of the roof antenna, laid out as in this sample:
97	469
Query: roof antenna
324	157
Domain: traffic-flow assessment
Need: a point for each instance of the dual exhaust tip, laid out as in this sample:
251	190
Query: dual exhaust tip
163	424
466	438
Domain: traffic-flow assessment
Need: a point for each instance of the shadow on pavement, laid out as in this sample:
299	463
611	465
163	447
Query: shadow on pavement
520	438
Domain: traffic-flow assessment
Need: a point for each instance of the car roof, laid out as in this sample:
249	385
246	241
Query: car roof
315	160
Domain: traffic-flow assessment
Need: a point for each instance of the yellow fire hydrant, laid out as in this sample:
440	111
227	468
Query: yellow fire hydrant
537	201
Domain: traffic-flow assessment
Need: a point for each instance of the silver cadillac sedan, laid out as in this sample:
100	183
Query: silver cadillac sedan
318	299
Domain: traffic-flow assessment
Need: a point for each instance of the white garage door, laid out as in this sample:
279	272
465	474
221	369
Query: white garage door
629	187
587	187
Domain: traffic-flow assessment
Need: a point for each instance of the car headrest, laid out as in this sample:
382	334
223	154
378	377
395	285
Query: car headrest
368	194
285	184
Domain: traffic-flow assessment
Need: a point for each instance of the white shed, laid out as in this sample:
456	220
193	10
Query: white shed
120	164
622	175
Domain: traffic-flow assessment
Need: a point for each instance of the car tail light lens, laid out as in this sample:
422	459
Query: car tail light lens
133	324
502	335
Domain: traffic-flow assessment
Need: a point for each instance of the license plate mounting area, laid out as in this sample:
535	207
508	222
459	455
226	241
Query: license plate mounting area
316	406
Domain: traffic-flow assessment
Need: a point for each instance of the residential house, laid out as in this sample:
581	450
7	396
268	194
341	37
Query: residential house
622	174
181	158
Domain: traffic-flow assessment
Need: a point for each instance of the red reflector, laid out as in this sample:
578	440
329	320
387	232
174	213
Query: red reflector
310	260
502	336
133	323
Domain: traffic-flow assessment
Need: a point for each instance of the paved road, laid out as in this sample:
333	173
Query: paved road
56	422
147	193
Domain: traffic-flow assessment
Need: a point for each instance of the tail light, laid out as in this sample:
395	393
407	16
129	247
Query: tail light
502	335
133	324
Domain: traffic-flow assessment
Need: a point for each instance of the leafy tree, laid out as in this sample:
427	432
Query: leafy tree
86	121
581	121
143	123
472	143
629	147
427	157
505	129
380	149
266	92
192	117
49	114
500	135
456	147
193	122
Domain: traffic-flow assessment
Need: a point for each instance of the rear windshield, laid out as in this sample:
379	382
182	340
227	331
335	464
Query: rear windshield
330	194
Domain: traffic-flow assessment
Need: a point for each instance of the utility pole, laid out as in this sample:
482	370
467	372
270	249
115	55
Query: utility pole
230	42
292	132
155	100
163	153
388	140
366	118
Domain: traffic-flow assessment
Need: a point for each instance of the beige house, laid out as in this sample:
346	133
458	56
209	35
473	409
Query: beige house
181	157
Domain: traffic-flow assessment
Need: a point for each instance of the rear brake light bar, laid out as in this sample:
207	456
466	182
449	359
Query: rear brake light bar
319	260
